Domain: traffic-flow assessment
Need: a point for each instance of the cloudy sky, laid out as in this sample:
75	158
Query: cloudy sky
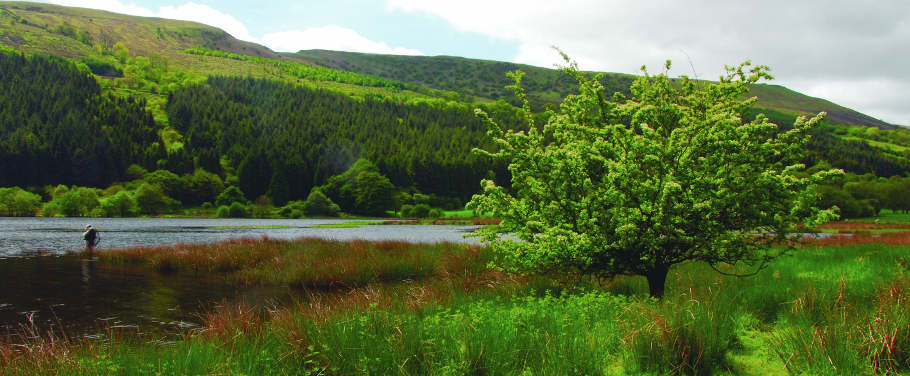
850	52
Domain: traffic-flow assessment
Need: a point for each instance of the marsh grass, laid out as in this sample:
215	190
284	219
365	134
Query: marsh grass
540	335
834	309
31	351
309	263
688	333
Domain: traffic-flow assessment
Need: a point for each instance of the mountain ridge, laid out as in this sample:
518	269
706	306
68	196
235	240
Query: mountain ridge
403	68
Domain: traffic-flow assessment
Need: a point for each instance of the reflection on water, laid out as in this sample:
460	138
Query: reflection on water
40	280
79	295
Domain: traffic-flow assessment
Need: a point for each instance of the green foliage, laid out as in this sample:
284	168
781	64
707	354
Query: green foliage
469	77
860	196
102	67
121	204
121	52
373	194
198	187
134	172
293	209
302	70
17	202
71	202
168	181
848	207
856	155
234	210
255	173
318	205
151	200
230	195
262	208
255	123
237	210
57	128
637	185
361	189
420	211
223	211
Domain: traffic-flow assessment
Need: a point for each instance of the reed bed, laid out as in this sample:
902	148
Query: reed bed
309	263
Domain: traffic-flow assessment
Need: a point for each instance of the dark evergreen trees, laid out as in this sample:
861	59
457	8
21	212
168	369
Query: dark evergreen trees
288	139
57	128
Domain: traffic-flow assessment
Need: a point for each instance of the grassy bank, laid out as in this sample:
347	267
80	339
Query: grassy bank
831	308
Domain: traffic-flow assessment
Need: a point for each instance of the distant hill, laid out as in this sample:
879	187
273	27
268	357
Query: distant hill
78	32
486	80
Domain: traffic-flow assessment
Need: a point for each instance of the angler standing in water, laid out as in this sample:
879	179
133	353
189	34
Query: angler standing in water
91	238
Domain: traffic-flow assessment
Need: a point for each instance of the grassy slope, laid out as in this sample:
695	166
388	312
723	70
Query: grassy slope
486	79
29	27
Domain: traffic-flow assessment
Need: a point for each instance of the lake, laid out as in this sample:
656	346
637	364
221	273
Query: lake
43	281
31	236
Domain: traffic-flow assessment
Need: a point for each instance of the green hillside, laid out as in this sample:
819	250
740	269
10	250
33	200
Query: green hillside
77	33
486	80
198	105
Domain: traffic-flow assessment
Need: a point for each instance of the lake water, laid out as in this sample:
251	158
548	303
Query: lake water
30	236
43	281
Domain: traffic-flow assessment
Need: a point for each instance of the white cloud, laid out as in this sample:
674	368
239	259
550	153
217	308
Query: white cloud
330	38
207	15
808	44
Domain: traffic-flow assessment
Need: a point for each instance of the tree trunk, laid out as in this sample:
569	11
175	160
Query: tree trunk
657	278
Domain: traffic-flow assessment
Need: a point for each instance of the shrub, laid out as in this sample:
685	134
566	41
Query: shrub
237	210
223	211
317	204
16	202
406	211
151	200
421	210
230	195
293	209
120	204
361	189
74	202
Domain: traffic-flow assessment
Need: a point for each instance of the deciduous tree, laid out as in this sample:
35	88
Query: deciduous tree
636	185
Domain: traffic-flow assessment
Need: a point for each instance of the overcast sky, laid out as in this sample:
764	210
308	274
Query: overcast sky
854	53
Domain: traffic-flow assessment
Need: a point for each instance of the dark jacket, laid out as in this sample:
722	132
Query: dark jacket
90	237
